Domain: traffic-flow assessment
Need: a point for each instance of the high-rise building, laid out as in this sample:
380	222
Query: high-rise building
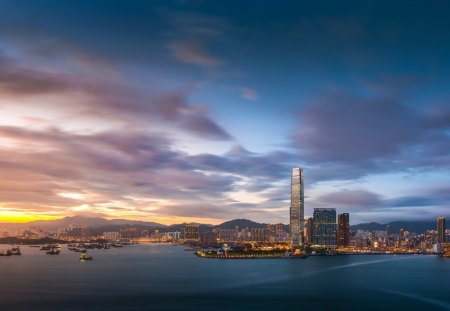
343	233
192	232
112	235
309	231
208	238
441	229
324	222
388	235
130	233
297	209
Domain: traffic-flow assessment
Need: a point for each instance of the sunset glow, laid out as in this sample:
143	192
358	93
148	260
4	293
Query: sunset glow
201	113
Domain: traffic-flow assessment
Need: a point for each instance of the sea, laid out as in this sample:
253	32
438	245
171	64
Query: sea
168	277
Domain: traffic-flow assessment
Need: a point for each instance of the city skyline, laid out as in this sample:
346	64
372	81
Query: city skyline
197	111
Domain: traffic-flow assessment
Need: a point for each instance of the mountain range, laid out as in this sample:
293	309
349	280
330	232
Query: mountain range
99	225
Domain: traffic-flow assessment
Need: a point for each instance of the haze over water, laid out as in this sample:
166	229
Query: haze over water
165	277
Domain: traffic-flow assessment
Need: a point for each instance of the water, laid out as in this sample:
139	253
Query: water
164	277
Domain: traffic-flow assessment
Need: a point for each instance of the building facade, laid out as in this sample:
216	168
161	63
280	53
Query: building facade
112	235
297	208
130	233
192	232
309	231
441	230
343	230
324	222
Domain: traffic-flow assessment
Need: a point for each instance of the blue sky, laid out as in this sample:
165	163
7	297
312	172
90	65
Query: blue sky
176	111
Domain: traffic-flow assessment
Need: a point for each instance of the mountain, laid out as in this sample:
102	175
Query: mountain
396	226
180	227
241	223
370	226
93	222
99	225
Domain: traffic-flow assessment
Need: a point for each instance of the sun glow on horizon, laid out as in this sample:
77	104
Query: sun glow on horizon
19	217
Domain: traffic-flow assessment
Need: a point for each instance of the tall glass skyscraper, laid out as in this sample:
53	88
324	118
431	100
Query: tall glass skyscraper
297	209
324	221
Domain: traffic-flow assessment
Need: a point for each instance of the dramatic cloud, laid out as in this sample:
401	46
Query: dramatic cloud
134	171
342	135
141	115
346	127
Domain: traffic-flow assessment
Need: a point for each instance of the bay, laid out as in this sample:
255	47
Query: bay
166	277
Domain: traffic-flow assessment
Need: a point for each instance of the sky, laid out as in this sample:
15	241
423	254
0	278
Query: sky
174	111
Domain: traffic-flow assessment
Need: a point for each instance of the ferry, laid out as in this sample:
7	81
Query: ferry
85	257
53	251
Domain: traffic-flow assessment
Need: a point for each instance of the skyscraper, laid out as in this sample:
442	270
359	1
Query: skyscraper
441	229
192	232
297	209
324	222
343	229
309	230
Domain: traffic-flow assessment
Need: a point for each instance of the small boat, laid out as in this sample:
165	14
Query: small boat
45	248
16	251
53	251
6	253
85	257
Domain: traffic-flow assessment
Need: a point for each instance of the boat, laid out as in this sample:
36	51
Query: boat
85	257
6	253
16	251
53	251
45	248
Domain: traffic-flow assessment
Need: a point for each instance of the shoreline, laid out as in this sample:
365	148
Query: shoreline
305	257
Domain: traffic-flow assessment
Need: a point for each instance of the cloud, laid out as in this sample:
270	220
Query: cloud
192	53
367	205
346	135
205	127
139	172
16	80
109	100
347	127
249	94
358	198
194	35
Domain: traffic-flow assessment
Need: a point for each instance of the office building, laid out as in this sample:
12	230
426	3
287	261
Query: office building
343	233
440	229
297	208
208	238
130	233
192	232
324	223
112	235
309	231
